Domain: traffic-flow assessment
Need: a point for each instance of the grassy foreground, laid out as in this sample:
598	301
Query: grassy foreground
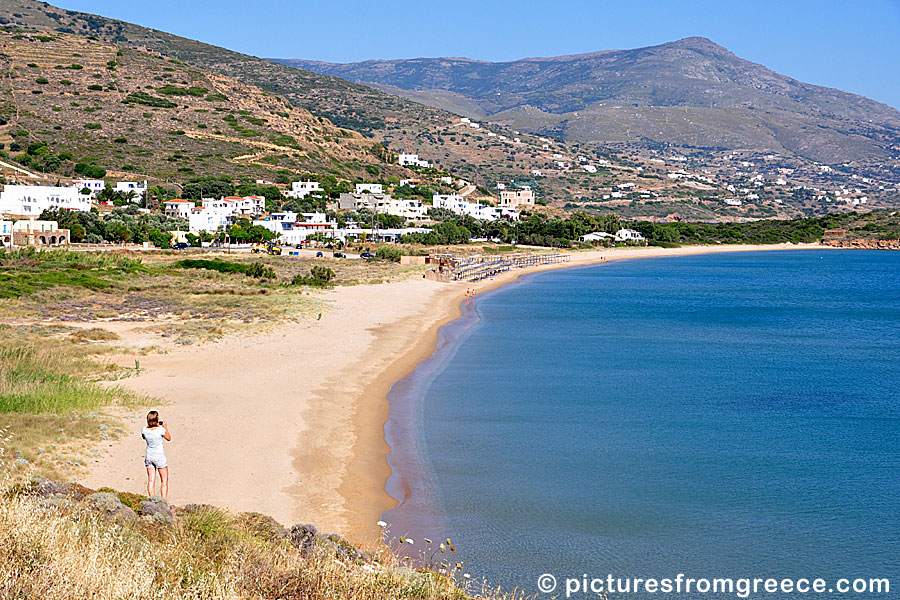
57	546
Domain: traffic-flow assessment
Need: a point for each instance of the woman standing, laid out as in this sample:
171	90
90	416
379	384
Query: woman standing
155	460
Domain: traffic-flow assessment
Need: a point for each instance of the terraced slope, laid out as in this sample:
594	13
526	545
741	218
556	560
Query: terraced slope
137	113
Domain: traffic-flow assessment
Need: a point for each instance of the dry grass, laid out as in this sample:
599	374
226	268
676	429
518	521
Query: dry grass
56	446
57	548
42	374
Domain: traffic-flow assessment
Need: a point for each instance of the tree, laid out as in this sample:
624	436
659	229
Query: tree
116	231
160	239
207	187
89	170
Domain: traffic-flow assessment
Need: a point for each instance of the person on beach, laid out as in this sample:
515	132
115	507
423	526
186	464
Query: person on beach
155	459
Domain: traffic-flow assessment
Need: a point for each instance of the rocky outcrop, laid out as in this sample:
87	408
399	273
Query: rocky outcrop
303	537
125	508
109	505
863	244
157	510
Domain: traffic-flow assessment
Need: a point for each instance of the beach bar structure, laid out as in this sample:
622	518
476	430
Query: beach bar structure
478	267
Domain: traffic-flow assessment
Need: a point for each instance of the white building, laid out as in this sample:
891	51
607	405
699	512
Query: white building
596	236
383	204
179	209
517	199
412	160
628	235
294	229
94	185
590	168
215	215
460	206
371	188
132	186
247	206
32	200
408	209
208	219
302	189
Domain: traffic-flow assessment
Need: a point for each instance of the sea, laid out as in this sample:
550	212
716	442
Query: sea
732	415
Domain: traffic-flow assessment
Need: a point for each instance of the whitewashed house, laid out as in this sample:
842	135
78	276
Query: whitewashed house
179	209
294	229
461	206
596	236
208	219
370	188
32	200
94	185
383	204
629	235
132	186
412	160
248	206
302	189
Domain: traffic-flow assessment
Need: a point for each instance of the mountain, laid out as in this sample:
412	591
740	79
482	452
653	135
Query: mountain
145	115
398	123
691	93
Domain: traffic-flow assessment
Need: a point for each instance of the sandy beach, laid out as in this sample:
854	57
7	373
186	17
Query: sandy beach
289	423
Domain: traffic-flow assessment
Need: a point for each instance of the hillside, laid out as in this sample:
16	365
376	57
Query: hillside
136	114
691	93
373	113
333	125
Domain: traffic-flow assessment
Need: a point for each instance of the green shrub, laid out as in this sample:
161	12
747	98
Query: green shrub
260	271
319	276
391	253
256	269
148	100
91	171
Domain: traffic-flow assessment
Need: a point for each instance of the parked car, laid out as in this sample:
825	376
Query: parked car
180	246
319	254
339	255
367	255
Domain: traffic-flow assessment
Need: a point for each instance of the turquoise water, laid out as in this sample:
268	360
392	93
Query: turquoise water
731	415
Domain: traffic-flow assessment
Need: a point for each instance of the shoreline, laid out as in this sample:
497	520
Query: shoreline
291	422
399	486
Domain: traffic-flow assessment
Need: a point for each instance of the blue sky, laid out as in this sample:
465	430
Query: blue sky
850	45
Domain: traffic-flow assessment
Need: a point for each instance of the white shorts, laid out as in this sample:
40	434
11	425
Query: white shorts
156	461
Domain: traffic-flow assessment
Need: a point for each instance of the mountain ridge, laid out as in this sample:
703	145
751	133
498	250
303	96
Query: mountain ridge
691	72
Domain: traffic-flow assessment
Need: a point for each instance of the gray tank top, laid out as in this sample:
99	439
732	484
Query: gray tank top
154	439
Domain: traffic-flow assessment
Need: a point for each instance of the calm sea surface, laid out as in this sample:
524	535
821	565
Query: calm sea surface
731	415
